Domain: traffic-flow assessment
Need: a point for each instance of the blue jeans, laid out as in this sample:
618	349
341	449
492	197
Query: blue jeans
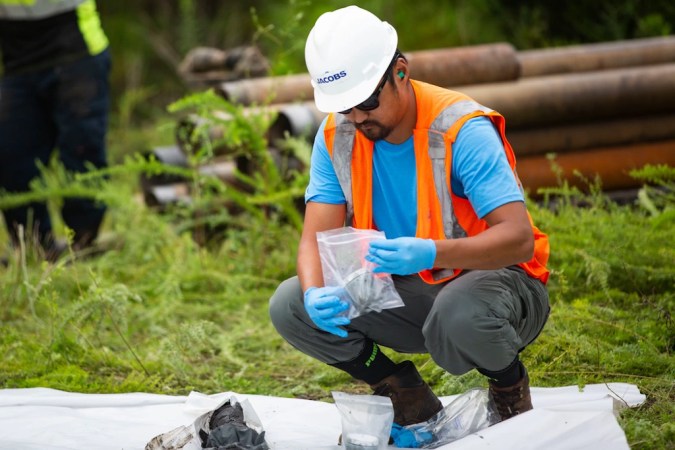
63	108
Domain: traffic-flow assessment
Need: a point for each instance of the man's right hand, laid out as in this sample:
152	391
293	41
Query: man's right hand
324	308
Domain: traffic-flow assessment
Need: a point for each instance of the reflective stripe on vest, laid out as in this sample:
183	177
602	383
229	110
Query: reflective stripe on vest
342	159
437	153
88	20
90	27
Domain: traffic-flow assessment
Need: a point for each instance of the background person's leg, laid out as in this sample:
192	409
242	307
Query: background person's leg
81	114
27	134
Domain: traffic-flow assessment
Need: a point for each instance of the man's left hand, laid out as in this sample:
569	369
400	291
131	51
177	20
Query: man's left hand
402	256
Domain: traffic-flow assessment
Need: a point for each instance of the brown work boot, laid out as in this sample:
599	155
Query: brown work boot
413	400
512	400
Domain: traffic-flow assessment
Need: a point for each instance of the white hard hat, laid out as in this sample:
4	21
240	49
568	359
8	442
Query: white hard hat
346	53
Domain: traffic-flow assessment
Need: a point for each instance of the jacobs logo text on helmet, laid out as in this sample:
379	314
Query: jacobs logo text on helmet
330	78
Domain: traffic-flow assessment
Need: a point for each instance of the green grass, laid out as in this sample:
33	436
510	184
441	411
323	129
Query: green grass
159	313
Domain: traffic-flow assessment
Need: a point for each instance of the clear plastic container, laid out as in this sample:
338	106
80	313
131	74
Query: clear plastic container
361	441
366	420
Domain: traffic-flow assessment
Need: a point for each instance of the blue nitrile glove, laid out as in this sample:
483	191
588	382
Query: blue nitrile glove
402	256
324	307
406	438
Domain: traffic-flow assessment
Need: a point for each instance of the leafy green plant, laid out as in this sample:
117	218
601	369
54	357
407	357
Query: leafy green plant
285	44
268	191
658	196
613	297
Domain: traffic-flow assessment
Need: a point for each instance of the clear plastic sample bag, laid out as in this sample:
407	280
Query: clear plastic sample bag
366	420
342	252
470	412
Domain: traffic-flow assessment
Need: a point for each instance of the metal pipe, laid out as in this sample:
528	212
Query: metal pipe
161	195
580	97
281	89
600	56
458	66
221	168
567	138
296	119
575	98
445	67
475	64
611	164
206	66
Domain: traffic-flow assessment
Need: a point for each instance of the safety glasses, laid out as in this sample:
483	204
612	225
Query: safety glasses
373	102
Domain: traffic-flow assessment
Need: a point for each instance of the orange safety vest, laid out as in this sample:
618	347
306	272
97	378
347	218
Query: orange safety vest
440	214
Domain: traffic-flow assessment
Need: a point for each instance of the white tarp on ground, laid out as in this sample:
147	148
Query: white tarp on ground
47	419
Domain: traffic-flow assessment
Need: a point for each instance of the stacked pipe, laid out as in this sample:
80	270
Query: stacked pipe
454	66
279	96
603	108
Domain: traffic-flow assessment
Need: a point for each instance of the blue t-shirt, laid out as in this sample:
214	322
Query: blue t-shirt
480	172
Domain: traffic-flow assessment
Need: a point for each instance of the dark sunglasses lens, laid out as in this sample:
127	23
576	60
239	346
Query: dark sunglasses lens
368	104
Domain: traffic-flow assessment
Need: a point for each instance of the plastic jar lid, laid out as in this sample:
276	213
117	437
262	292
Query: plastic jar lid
365	440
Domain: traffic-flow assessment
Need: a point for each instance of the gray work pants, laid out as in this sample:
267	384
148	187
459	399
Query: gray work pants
483	318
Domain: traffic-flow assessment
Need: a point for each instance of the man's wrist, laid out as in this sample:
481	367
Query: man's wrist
432	253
